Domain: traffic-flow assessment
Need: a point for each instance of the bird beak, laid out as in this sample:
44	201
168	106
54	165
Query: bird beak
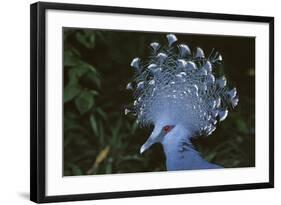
146	145
150	141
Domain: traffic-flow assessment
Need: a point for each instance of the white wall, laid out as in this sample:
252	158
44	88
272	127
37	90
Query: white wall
14	101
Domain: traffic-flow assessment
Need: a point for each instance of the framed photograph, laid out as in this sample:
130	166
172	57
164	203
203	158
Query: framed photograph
129	102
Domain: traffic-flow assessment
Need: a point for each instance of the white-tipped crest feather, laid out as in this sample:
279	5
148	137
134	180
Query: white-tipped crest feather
173	84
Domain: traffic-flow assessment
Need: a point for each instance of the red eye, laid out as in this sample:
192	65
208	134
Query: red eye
166	128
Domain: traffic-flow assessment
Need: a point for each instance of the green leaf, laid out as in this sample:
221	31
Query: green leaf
70	91
92	40
76	72
87	67
108	169
94	78
84	102
210	156
101	133
75	169
97	82
94	92
133	128
82	68
94	124
87	39
102	38
70	58
102	113
130	158
242	126
72	76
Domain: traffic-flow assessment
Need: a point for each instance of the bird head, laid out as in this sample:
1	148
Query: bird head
176	86
161	130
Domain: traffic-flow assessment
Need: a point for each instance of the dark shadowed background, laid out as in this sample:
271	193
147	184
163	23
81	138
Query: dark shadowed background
100	139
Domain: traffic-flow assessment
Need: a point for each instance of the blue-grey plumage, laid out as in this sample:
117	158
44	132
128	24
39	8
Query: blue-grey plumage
176	90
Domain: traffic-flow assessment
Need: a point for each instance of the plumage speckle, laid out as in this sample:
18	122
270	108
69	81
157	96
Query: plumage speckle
234	101
232	93
161	58
155	46
191	66
210	79
127	111
152	66
135	63
140	85
129	86
208	66
184	50
221	82
199	53
223	114
171	39
181	64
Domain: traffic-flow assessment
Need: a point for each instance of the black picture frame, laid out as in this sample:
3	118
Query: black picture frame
38	100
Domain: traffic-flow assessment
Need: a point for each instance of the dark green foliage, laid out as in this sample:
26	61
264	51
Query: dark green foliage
100	139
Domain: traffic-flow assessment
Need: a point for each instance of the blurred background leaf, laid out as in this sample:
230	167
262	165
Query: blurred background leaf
99	139
84	101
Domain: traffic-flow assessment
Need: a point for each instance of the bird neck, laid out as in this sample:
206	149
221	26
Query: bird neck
176	144
179	151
